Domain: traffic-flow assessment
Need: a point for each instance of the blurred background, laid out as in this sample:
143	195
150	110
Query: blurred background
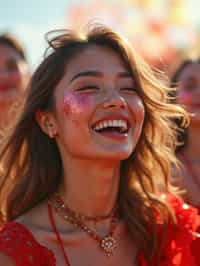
163	31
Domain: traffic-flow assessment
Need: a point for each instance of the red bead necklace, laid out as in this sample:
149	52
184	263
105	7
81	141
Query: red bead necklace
64	209
107	243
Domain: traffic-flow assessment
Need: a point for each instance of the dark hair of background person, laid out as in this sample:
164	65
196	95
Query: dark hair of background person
12	42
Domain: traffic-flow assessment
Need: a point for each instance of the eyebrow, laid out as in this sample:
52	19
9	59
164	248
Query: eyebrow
92	73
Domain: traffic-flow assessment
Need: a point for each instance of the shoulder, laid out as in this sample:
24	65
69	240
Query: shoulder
18	246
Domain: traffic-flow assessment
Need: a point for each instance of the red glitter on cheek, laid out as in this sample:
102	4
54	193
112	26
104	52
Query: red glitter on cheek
76	104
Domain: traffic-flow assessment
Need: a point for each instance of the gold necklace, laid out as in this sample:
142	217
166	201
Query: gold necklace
107	244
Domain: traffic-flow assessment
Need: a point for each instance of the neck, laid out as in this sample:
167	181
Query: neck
91	188
193	147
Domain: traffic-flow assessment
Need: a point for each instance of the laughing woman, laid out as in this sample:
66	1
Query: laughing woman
80	169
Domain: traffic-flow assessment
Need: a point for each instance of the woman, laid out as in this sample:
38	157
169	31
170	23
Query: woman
80	170
14	75
187	79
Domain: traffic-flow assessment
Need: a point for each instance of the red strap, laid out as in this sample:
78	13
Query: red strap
57	234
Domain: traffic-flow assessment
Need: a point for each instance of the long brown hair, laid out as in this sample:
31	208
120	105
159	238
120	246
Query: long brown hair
31	163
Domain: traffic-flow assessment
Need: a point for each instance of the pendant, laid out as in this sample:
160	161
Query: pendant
108	244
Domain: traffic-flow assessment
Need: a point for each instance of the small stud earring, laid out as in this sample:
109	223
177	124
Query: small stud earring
52	134
51	131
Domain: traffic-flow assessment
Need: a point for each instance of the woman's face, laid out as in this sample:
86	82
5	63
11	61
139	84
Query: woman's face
189	89
13	75
98	111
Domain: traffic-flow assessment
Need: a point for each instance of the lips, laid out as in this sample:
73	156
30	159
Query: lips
6	87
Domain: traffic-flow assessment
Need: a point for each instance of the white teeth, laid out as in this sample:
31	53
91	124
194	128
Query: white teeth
110	124
98	127
122	124
105	124
115	123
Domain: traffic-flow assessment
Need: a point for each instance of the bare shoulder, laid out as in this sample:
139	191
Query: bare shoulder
36	217
6	260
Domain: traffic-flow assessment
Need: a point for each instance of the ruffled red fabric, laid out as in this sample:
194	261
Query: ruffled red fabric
177	249
181	248
195	246
18	243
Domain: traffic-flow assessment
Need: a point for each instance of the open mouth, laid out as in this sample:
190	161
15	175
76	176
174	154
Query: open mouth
115	126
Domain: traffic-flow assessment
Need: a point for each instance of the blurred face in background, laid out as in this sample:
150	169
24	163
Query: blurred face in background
14	75
189	90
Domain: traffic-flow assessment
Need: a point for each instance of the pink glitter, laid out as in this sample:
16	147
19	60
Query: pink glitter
75	103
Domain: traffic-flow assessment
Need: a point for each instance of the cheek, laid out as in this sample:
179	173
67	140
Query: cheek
76	104
15	78
185	98
137	108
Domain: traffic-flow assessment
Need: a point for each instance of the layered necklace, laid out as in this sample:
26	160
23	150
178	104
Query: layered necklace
107	243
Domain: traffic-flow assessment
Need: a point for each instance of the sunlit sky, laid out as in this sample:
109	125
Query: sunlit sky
29	20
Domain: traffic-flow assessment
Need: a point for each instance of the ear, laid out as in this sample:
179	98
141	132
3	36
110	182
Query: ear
47	123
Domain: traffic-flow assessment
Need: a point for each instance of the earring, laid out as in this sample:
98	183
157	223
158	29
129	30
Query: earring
51	130
52	134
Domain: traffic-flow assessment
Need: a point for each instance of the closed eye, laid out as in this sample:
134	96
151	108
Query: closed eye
88	88
129	89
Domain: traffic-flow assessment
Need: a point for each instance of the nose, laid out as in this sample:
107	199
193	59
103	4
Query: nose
115	100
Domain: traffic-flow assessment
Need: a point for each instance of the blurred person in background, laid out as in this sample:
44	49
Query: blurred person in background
187	80
14	75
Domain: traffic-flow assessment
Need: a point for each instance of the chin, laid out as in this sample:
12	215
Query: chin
118	155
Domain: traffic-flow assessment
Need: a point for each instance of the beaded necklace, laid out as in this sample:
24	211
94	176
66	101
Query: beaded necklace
107	243
61	207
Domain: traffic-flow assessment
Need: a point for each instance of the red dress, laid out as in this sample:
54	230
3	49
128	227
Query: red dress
181	248
195	246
